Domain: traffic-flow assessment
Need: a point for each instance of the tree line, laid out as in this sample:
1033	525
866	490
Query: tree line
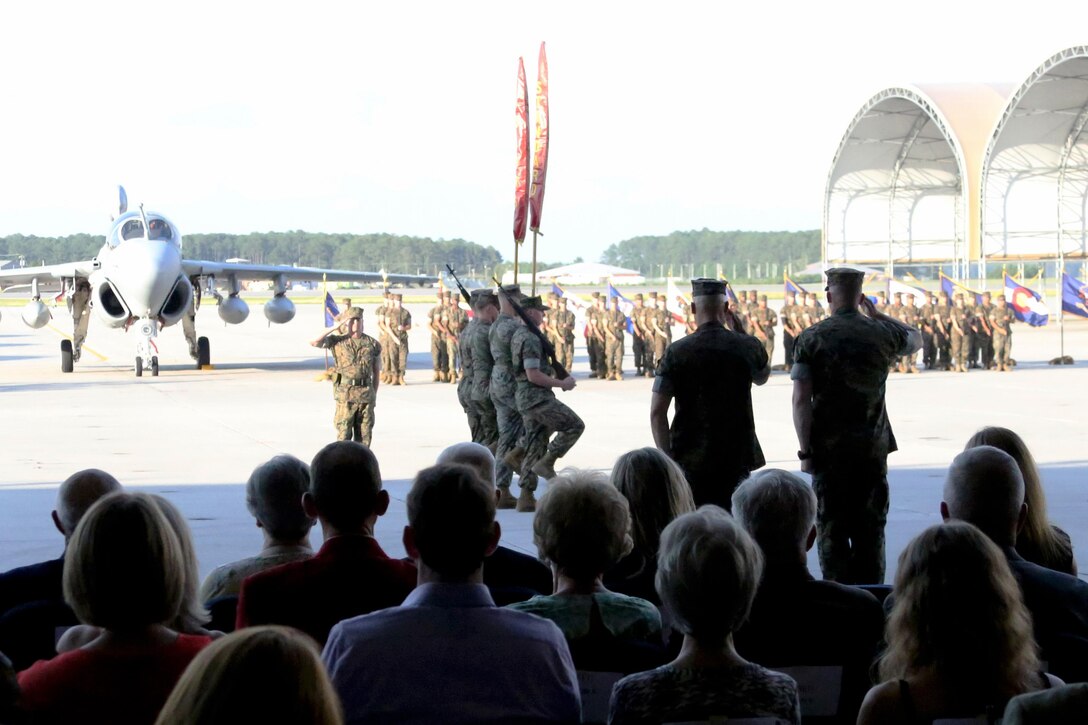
393	253
766	250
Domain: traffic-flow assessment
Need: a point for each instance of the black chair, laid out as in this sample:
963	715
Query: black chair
29	632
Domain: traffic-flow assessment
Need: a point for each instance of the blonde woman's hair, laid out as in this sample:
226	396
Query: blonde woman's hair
192	616
1037	533
959	612
124	566
656	491
259	674
582	524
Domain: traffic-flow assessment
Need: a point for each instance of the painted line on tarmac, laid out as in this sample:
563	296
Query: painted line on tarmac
88	348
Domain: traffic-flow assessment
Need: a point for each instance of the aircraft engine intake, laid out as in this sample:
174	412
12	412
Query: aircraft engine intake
178	302
279	310
233	310
35	314
111	310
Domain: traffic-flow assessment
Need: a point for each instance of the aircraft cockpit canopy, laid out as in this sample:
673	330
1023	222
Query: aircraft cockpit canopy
131	226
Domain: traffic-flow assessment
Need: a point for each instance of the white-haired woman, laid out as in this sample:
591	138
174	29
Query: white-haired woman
708	570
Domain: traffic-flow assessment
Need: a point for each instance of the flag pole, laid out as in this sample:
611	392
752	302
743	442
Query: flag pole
325	296
534	264
516	248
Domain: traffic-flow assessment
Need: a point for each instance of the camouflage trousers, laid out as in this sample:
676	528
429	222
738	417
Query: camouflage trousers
565	352
354	421
510	429
464	397
438	354
613	355
638	349
487	424
660	344
768	344
541	421
851	511
787	348
387	358
398	355
596	355
1002	349
960	345
452	363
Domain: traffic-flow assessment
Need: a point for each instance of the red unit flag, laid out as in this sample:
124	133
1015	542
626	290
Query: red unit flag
540	147
521	171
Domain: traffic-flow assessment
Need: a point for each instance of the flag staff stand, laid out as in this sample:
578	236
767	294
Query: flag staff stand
517	246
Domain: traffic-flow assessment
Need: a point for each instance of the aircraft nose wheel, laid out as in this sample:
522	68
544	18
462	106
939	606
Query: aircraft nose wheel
139	366
203	353
155	366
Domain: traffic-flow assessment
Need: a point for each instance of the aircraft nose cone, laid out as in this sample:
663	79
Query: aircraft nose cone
143	272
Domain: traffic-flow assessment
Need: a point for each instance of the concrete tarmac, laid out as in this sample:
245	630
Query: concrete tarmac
194	436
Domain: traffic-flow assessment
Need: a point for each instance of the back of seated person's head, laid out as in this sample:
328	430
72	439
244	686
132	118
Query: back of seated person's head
346	487
958	610
192	616
125	568
582	525
708	571
473	455
274	497
259	674
984	487
778	510
451	522
656	491
77	493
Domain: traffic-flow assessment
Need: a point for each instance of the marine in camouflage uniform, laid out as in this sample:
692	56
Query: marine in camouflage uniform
942	319
1001	321
661	322
791	327
543	414
485	305
960	341
986	332
564	331
763	321
709	376
908	315
399	322
386	340
842	426
355	383
638	336
615	324
455	319
595	338
464	385
511	445
927	326
439	361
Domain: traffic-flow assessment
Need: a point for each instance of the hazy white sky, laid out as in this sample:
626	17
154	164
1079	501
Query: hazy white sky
398	117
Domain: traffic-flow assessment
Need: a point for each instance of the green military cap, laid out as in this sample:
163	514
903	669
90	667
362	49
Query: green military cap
845	276
447	293
534	303
512	289
353	313
653	295
638	296
705	287
397	296
595	295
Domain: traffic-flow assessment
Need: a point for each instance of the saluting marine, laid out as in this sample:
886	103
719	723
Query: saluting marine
357	359
615	323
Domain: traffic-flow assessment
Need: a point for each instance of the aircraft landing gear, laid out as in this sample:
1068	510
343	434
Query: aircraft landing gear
203	353
67	364
139	366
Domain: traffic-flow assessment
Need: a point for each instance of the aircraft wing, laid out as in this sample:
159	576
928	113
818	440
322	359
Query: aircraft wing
270	272
25	275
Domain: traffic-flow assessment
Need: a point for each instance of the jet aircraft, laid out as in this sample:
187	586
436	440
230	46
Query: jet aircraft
139	281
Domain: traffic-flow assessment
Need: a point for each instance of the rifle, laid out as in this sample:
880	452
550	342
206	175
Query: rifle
549	350
464	292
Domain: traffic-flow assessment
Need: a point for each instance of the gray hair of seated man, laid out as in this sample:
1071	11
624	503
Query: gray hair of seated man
984	487
708	571
777	509
473	455
274	497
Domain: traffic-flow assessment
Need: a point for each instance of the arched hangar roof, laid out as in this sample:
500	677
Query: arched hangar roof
899	187
1035	171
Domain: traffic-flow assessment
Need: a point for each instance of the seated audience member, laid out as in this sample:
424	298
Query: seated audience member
510	576
984	487
274	498
42	582
350	575
192	616
796	620
1039	541
959	636
582	528
448	654
707	573
1056	706
258	675
656	492
124	573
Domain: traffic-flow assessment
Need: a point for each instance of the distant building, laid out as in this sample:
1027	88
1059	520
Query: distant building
582	273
